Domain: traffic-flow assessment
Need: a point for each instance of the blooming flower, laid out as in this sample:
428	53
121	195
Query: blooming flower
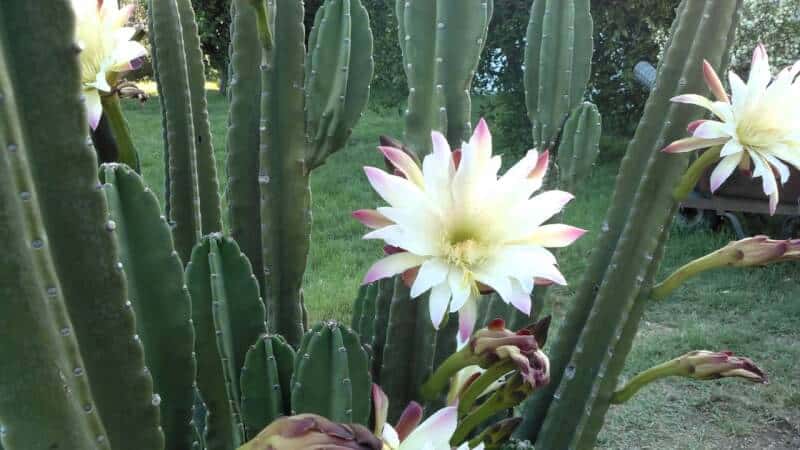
409	434
758	123
106	49
463	228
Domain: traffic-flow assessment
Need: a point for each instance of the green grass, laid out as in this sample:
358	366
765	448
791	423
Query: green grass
754	312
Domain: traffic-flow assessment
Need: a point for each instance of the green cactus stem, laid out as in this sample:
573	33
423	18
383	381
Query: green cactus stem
174	90
43	385
594	341
229	317
83	247
244	91
158	295
266	383
441	42
309	104
331	375
207	184
558	54
579	146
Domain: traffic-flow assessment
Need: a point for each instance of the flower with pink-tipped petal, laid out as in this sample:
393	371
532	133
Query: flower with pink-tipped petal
409	434
758	125
464	229
106	49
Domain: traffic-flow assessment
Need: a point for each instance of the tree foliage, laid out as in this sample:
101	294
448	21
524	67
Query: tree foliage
777	25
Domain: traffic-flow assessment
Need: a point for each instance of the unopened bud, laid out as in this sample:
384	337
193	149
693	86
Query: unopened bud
306	431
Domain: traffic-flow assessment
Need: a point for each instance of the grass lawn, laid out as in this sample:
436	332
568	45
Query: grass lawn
754	313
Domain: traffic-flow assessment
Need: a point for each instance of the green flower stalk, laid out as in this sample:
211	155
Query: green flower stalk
699	365
307	431
497	434
748	252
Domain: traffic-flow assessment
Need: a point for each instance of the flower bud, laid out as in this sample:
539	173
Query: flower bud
706	365
306	431
496	343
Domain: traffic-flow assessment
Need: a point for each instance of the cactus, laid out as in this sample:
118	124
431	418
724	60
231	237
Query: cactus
244	90
298	131
175	95
331	375
207	184
266	383
77	234
43	389
558	54
578	147
441	42
608	302
228	317
158	295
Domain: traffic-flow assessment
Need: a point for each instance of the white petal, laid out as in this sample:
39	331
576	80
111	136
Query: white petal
521	299
94	108
763	170
782	169
467	316
390	436
392	265
724	170
555	235
759	70
738	91
437	303
124	54
436	431
397	191
431	273
460	288
711	129
550	272
730	148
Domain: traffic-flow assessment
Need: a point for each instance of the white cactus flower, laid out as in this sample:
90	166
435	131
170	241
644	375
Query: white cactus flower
106	49
461	229
758	123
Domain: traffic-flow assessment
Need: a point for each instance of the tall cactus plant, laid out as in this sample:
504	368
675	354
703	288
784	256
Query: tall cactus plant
192	201
558	52
594	341
87	306
309	103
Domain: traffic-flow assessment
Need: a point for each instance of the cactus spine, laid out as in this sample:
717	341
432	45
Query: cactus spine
78	236
331	375
590	341
298	133
158	295
558	54
579	146
228	317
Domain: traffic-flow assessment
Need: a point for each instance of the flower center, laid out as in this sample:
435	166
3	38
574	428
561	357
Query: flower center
759	129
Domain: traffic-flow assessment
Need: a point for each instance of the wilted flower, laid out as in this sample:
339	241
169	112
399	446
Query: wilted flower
309	431
706	365
464	228
106	49
409	434
759	123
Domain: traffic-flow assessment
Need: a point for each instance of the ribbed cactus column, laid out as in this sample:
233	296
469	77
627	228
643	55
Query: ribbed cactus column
207	184
309	104
568	413
579	146
244	91
159	297
183	204
44	73
558	54
441	41
43	387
